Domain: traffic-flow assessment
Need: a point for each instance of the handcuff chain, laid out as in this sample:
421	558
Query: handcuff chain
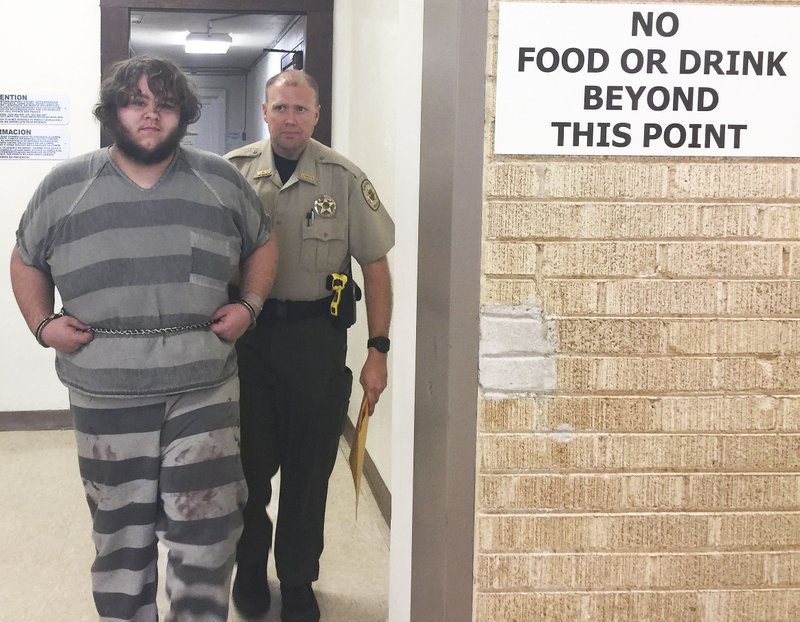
149	331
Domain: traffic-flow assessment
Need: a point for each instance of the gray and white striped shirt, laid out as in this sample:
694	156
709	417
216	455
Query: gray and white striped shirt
124	257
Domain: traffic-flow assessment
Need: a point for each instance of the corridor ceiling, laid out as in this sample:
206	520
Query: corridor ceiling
163	33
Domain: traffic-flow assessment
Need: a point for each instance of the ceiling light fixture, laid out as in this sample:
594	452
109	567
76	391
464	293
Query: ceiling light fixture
207	43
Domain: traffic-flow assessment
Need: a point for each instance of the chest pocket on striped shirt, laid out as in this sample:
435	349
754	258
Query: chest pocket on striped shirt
324	246
213	261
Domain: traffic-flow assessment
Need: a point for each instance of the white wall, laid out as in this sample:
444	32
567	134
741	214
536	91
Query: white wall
55	55
377	54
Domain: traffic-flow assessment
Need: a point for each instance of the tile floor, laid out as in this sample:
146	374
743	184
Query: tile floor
46	548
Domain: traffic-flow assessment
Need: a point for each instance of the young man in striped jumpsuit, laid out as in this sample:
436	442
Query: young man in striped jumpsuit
142	241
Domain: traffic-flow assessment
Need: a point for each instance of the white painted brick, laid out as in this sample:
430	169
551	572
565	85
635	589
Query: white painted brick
509	335
516	349
515	374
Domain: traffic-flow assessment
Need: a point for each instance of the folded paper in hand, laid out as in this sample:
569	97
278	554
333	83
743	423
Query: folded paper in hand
358	446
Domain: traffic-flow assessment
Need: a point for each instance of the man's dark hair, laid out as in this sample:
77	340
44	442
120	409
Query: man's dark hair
164	79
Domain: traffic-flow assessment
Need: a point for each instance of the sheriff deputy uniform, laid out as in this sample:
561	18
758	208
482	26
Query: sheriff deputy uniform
295	386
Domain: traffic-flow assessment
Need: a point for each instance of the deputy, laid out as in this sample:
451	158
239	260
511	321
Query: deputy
295	386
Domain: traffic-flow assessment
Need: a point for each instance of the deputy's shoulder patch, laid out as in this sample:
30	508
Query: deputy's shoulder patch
370	195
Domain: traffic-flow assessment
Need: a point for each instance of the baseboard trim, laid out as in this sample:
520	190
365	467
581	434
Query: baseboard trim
380	491
34	420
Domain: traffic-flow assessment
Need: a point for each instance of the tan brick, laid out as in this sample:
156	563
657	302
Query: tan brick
632	297
512	415
727	414
599	259
793	260
778	374
640	571
556	297
670	414
781	222
779	298
736	491
606	180
733	336
509	607
610	336
752	605
762	530
584	374
574	492
511	292
729	221
593	533
510	258
587	414
766	605
522	219
658	221
763	299
733	180
569	452
532	493
622	533
721	259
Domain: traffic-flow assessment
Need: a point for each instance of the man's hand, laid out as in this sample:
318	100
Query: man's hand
230	321
374	377
66	334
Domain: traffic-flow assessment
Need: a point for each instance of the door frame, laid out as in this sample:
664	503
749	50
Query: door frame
448	304
115	30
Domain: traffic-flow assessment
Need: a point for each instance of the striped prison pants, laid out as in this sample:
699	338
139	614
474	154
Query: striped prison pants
165	469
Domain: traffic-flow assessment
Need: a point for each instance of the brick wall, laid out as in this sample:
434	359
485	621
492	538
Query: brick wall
639	418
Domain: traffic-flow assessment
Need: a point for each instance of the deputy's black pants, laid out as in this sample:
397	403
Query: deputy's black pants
294	394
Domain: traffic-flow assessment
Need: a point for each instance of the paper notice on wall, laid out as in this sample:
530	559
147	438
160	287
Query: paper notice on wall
32	109
34	143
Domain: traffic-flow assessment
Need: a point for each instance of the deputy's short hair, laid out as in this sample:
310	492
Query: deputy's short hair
293	77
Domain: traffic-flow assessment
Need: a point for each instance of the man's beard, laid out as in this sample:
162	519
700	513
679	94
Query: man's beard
161	152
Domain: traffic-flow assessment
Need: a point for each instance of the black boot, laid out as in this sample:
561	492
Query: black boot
299	603
251	591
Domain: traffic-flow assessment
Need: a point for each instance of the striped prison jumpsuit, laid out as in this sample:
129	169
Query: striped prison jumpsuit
166	469
156	415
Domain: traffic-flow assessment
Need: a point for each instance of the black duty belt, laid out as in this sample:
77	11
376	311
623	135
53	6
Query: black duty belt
294	310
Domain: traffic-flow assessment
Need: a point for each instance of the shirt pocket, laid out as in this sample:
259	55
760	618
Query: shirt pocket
324	245
214	261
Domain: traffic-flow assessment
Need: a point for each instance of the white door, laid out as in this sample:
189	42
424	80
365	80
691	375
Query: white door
209	131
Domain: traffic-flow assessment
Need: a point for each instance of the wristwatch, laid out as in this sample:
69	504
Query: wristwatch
381	344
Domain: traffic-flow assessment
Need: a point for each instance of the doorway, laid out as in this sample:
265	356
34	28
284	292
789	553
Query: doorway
230	83
317	52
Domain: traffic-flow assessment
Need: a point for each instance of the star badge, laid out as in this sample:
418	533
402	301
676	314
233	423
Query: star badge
325	206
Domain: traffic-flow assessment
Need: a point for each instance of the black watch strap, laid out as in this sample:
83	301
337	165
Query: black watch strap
381	344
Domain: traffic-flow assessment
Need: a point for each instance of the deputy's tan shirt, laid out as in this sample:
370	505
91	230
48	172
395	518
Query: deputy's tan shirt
326	212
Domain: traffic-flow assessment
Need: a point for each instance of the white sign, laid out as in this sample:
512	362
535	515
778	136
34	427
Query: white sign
29	109
648	80
33	143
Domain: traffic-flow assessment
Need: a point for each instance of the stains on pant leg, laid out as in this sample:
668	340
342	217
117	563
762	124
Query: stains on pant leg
212	446
207	503
198	504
